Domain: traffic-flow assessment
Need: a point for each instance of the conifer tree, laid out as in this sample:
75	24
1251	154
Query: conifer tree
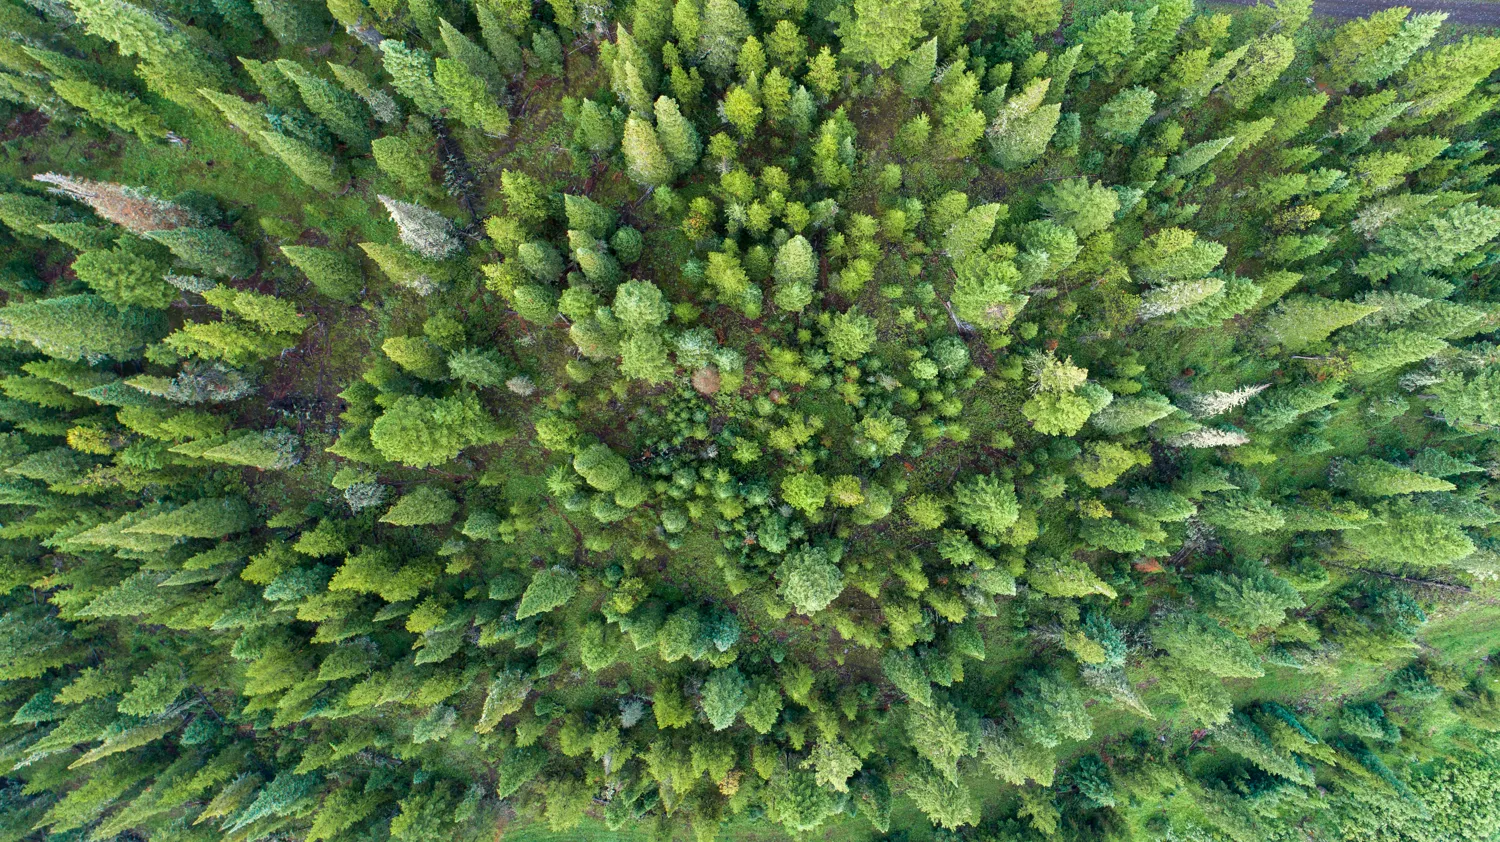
211	250
424	231
132	208
113	109
344	115
678	139
381	104
1023	126
917	70
1122	117
318	169
469	99
423	505
331	272
411	70
292	22
404	159
722	30
204	518
795	271
882	31
479	63
422	431
81	327
647	161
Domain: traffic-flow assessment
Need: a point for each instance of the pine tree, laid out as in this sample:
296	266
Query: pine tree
1367	477
317	169
424	231
648	163
678	139
331	272
1195	157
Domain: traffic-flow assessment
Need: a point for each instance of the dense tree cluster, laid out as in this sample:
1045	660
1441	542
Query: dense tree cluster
981	419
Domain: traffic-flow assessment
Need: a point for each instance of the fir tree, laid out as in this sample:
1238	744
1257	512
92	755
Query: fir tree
292	22
1023	126
205	518
421	506
1122	117
132	208
722	29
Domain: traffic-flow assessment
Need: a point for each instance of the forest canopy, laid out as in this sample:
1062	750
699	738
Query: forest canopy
913	419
